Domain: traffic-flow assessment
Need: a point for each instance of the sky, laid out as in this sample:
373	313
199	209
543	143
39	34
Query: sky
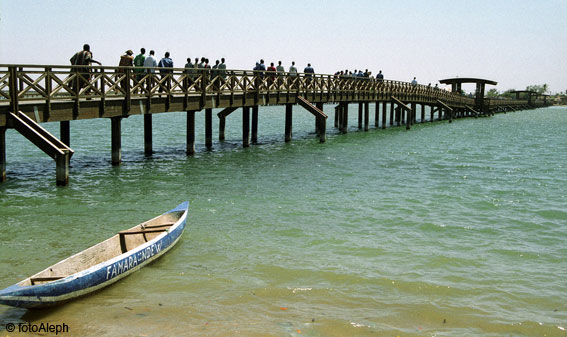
516	43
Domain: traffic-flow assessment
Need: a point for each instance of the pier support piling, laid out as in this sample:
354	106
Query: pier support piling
288	122
366	115
190	132
391	113
255	124
209	128
2	154
65	132
360	108
62	170
246	126
116	140
384	105
344	128
222	123
321	124
148	148
377	115
337	113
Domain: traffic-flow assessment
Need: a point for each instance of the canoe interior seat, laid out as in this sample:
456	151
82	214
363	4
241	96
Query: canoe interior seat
33	280
145	230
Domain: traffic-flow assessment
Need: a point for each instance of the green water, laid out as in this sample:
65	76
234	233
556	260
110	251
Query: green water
445	230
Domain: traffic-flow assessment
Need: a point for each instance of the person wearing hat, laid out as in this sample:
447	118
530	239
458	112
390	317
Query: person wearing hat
126	60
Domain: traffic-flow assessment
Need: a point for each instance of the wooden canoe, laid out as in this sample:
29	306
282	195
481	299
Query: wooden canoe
100	265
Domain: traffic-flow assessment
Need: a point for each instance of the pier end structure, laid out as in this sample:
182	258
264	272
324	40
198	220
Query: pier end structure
479	100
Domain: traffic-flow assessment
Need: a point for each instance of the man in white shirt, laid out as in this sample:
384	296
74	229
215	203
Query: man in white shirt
292	69
151	61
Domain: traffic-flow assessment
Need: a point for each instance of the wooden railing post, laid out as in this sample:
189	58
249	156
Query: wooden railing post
116	140
204	82
102	106
48	88
128	95
13	86
77	87
2	154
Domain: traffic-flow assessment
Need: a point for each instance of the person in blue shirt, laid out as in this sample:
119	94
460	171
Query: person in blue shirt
164	63
380	76
309	69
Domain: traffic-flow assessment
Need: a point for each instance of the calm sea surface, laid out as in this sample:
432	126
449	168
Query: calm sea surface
445	230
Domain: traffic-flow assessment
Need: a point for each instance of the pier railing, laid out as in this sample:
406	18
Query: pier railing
21	83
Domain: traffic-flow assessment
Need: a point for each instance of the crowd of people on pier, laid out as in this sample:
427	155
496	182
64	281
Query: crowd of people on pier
150	63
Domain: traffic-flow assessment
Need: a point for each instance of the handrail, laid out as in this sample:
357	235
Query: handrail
20	83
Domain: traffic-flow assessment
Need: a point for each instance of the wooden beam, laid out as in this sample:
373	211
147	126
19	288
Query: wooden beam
226	112
310	107
448	108
45	141
190	132
65	132
345	118
288	122
209	128
62	170
471	110
337	113
384	105
222	120
222	126
391	113
366	115
377	115
321	124
2	154
401	104
246	126
116	140
255	124
148	140
360	109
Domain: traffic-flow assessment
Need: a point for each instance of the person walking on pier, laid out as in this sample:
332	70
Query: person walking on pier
164	63
292	73
215	74
150	62
82	58
139	63
380	76
222	70
414	82
309	70
126	60
308	73
292	69
280	69
189	72
272	71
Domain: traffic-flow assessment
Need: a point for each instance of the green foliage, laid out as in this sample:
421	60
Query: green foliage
492	93
540	89
509	93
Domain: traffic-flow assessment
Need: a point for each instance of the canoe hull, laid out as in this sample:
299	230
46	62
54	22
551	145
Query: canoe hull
98	276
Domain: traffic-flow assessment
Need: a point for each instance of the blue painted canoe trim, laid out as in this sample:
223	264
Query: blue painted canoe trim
98	276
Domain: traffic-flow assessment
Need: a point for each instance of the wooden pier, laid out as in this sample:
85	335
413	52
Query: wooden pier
34	94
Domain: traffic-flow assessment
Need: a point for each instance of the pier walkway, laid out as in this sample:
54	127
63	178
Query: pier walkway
34	94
